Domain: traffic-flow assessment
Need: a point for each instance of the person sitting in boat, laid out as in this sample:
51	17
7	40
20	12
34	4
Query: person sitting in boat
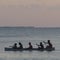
41	46
49	44
15	46
20	45
30	46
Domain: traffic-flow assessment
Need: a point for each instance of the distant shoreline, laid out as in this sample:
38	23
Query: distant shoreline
25	27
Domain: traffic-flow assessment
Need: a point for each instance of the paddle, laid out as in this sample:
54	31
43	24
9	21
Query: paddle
37	45
44	42
10	46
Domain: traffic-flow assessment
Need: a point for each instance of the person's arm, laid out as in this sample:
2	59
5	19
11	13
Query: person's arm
44	42
37	45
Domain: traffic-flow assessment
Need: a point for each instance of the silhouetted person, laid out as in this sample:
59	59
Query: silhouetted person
49	44
20	45
15	46
41	46
30	46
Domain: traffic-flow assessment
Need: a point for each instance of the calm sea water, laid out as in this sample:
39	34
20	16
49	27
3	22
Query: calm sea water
10	35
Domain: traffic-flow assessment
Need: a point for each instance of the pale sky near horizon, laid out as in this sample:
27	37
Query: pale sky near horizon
42	13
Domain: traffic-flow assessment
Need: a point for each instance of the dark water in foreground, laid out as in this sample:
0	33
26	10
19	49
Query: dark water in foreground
8	36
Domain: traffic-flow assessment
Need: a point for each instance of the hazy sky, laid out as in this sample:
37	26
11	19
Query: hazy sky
43	13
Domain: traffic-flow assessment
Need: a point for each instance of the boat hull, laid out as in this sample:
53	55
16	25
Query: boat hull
26	49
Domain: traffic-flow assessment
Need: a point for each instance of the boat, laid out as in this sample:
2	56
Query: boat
26	49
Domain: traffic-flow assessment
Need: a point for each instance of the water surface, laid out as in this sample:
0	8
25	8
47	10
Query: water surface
10	35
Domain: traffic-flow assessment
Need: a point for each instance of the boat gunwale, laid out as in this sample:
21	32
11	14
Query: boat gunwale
26	49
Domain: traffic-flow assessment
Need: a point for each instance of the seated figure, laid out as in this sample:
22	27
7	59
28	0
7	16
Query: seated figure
15	46
49	44
41	46
30	46
20	45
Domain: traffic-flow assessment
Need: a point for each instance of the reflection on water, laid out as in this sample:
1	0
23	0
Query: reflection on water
30	55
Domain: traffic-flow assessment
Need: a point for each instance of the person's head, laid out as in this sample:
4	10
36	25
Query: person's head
19	43
29	43
48	41
40	43
15	44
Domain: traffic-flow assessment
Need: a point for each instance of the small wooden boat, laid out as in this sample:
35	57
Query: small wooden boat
26	49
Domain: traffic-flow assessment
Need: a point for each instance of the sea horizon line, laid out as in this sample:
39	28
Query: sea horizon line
26	27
